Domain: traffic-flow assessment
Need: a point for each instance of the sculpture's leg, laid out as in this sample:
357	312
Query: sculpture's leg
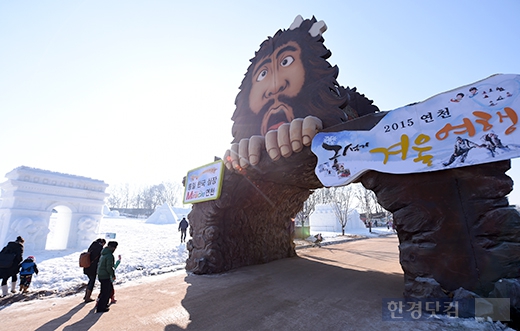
455	226
249	224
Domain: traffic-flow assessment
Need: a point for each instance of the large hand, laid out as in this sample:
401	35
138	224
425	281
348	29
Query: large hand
246	152
292	137
289	138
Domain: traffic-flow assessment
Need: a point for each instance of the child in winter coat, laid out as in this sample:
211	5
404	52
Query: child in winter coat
27	268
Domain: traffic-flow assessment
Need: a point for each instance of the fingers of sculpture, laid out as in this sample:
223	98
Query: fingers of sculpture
227	159
284	140
231	158
292	137
256	145
288	138
296	136
243	153
271	144
310	126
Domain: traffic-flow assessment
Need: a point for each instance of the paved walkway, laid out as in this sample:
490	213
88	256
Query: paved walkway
336	287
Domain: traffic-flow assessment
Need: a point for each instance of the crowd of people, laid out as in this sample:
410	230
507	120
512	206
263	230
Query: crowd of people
101	266
12	264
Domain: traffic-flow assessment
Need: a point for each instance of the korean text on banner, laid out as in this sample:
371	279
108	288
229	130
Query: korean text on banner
469	125
204	183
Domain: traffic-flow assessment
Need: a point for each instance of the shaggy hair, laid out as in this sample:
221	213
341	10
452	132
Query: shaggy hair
321	95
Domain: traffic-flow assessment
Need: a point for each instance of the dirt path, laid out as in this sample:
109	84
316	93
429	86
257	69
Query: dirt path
336	287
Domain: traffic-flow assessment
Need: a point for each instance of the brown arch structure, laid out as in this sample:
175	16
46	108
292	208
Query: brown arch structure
458	235
455	227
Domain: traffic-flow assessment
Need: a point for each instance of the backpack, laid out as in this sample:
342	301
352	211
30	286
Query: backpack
84	260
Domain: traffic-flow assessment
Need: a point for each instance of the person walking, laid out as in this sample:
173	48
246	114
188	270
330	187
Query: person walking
27	269
183	226
15	250
106	275
95	253
113	296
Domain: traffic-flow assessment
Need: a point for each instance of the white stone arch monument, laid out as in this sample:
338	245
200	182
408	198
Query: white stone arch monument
50	210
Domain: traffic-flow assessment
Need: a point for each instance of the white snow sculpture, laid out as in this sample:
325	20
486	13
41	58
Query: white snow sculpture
110	213
106	210
32	230
87	231
32	198
323	219
163	215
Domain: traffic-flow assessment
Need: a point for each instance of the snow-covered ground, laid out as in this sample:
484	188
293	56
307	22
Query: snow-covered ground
151	249
146	249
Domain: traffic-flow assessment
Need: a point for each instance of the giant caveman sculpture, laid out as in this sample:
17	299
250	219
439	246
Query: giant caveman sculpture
288	80
455	227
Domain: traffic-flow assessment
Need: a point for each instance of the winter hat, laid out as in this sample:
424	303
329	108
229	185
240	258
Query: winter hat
112	244
31	258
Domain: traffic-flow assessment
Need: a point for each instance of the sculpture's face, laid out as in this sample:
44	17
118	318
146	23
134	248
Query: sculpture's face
288	78
276	78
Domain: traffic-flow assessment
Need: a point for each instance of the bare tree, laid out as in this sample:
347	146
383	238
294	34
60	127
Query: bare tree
376	207
126	196
309	205
368	203
138	200
365	201
323	195
172	193
119	196
149	197
114	199
341	201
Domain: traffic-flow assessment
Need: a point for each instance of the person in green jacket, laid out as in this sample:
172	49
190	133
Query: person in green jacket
106	275
113	296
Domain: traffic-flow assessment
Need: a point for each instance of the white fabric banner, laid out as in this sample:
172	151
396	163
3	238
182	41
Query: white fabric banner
470	125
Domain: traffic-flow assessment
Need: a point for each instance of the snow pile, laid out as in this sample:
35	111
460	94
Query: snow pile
163	215
323	219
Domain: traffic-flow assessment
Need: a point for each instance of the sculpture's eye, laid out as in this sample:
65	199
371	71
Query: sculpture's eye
261	75
287	61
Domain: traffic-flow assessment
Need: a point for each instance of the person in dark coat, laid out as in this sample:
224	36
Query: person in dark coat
95	253
16	248
183	226
106	275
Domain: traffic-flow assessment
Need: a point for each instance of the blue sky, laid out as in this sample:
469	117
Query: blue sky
143	91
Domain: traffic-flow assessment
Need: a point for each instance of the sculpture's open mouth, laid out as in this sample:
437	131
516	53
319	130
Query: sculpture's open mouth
275	117
275	120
